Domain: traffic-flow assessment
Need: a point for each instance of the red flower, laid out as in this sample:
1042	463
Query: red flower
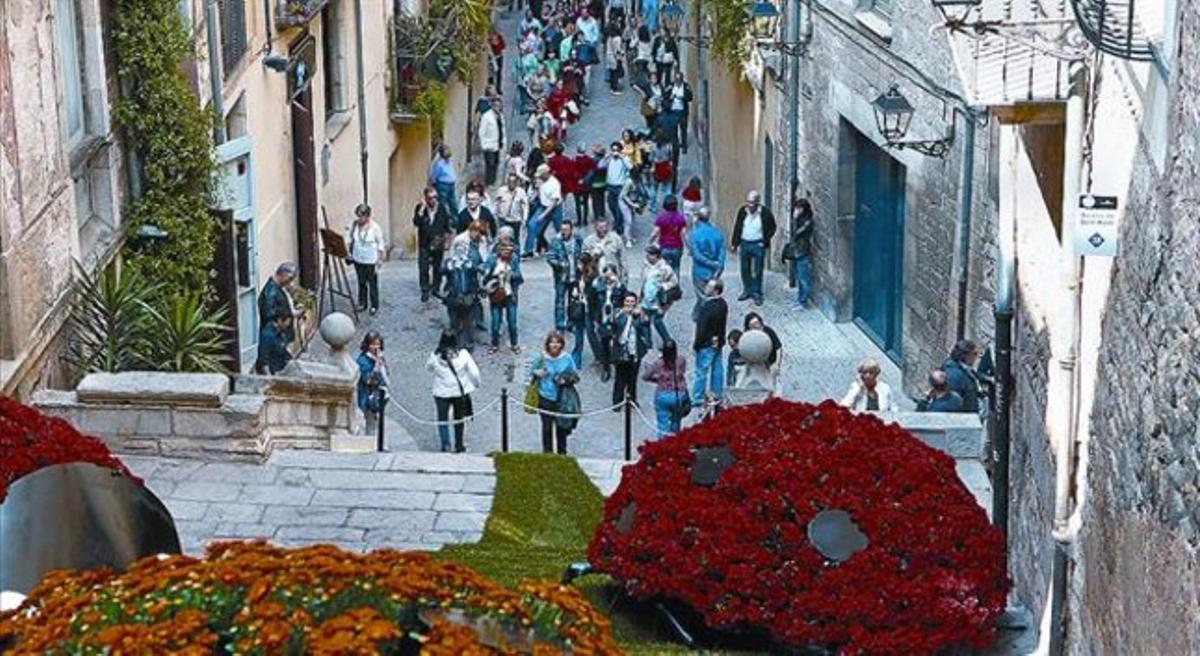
931	577
30	440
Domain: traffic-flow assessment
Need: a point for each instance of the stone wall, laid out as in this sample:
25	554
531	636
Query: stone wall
202	416
1138	588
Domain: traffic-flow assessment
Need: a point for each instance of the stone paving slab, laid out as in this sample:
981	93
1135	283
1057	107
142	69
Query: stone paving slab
356	501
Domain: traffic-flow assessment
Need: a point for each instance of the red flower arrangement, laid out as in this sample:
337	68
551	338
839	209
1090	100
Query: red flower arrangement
30	440
931	575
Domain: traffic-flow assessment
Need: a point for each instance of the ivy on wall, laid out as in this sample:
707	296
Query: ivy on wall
169	132
445	43
729	28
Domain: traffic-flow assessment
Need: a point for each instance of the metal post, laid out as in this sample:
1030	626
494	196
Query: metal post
965	183
628	427
1002	388
379	444
504	420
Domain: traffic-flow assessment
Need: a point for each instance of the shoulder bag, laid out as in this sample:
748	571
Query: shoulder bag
531	392
683	404
466	407
669	295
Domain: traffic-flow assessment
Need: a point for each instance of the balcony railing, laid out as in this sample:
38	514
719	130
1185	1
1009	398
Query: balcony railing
293	13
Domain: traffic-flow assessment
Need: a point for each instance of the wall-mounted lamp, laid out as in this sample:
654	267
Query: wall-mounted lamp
275	62
893	116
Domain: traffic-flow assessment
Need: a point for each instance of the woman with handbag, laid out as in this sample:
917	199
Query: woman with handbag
372	380
614	57
672	401
455	376
501	279
552	370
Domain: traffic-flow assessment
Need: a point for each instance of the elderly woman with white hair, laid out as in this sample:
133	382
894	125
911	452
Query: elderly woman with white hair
867	392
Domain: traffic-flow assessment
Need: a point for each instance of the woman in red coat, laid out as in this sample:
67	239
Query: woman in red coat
584	167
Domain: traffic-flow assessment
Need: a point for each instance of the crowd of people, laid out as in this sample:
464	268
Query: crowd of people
471	248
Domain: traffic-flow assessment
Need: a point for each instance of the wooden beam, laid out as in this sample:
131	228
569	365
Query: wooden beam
1035	113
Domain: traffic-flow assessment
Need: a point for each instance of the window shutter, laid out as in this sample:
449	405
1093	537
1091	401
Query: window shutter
233	33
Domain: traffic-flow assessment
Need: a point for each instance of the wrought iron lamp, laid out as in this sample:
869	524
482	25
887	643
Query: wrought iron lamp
672	15
893	116
764	25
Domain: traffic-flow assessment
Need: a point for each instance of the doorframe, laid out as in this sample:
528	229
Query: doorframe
225	153
304	171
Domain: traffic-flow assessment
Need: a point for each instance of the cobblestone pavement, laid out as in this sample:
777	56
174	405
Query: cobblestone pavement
356	501
819	355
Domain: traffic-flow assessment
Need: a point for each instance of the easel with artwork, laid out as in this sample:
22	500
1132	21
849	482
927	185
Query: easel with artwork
334	281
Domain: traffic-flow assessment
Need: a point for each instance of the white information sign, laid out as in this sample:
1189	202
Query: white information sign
1096	229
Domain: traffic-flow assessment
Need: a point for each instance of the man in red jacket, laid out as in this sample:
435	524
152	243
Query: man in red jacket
585	167
563	168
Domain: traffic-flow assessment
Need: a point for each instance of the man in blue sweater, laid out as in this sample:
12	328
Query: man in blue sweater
707	244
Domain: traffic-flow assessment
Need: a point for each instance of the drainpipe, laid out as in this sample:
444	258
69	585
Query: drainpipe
214	71
702	78
362	96
965	184
1062	393
794	113
1006	248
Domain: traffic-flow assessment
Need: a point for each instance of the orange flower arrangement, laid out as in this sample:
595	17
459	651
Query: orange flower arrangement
255	598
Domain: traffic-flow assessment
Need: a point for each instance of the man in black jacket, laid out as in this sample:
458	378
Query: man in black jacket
275	301
752	233
709	342
433	230
960	374
678	100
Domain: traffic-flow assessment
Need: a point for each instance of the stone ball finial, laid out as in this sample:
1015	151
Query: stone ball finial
755	347
337	330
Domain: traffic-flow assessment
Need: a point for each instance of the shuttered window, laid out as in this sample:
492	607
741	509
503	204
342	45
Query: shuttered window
233	33
882	7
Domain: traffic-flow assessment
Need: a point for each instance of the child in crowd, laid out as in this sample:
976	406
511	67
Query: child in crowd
733	362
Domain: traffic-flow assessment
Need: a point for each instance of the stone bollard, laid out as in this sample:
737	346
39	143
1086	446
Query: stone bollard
337	330
757	380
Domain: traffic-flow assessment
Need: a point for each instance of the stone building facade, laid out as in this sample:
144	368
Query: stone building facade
62	175
290	157
888	220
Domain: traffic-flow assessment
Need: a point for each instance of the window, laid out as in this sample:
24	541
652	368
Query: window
70	49
333	54
881	7
876	16
233	33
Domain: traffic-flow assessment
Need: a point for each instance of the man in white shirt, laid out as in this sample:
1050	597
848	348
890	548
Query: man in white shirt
366	250
547	209
491	142
512	206
605	247
752	233
616	173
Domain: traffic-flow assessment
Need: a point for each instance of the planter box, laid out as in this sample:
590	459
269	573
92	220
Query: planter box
294	13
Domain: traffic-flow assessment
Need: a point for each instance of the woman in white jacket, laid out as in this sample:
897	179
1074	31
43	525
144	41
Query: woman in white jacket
455	376
867	392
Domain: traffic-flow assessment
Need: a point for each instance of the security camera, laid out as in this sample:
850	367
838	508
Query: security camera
276	62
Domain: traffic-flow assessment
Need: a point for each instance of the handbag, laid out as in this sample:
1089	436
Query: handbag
465	408
683	404
531	393
669	295
647	109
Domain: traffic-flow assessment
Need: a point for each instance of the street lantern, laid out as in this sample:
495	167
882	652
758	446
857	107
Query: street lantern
672	16
893	114
955	11
764	19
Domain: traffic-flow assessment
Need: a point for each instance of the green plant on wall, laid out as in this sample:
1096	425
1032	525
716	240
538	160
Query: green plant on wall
729	26
168	130
431	103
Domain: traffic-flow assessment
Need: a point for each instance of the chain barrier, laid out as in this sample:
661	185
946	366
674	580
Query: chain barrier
448	422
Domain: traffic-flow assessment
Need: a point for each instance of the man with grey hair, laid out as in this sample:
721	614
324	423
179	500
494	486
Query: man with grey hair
752	233
275	301
605	246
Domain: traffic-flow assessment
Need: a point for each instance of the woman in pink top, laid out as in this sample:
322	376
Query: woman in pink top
670	232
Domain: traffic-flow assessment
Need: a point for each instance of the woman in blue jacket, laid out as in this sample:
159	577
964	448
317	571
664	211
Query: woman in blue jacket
554	370
372	379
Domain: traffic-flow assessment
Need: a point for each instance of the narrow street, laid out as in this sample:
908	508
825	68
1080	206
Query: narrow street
819	356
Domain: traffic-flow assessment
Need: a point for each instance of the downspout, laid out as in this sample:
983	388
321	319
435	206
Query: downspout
1006	258
363	151
794	113
1064	390
965	184
702	78
214	71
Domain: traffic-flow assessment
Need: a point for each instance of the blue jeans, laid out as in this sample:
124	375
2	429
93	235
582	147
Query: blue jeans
753	254
803	271
613	195
653	318
666	408
506	312
578	330
560	304
445	192
661	190
710	374
673	256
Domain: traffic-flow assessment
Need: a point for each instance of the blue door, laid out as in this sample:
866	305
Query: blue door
879	246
